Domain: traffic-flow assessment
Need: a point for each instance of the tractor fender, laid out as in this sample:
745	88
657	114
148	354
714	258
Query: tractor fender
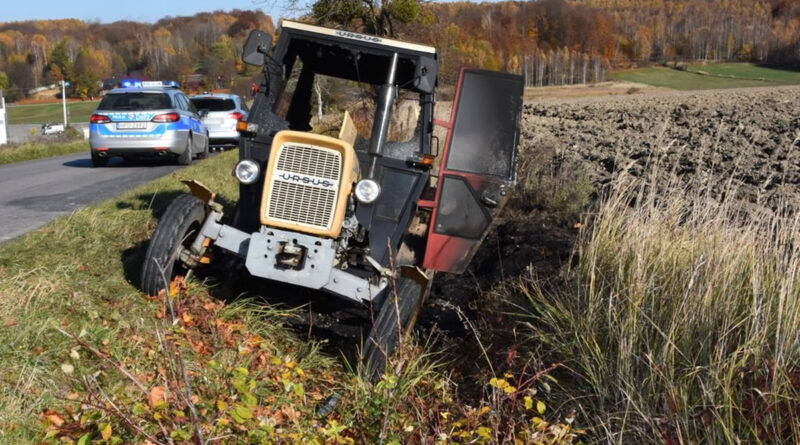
201	191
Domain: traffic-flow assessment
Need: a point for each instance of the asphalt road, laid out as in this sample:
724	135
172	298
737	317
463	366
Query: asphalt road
35	192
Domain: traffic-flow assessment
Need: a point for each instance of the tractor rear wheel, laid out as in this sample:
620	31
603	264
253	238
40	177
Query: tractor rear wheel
396	316
176	230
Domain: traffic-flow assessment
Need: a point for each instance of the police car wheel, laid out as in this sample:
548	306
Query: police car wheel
392	323
177	228
204	154
97	161
185	158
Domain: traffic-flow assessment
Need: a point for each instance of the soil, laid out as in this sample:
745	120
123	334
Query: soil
750	137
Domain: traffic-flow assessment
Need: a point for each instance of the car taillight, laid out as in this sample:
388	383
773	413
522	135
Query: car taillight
236	115
167	117
99	119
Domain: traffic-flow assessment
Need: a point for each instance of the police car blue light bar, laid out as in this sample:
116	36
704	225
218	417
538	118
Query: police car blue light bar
150	84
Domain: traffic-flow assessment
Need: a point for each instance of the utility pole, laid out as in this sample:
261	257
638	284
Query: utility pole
64	84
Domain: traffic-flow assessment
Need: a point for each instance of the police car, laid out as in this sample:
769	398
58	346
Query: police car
147	119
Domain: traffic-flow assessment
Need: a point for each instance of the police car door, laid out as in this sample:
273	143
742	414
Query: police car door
479	166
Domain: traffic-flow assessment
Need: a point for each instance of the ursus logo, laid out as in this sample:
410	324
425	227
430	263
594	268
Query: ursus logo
308	180
352	35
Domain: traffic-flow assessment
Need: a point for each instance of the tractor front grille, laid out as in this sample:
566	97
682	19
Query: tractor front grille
304	186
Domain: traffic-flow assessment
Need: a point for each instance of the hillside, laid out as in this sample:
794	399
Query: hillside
551	42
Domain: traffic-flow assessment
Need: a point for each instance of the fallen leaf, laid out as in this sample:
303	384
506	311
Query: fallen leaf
105	431
55	420
155	396
86	439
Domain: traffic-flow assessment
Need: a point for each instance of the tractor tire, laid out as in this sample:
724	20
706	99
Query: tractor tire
185	158
97	161
392	323
177	228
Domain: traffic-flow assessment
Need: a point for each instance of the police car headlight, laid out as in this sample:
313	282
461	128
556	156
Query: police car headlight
246	171
367	191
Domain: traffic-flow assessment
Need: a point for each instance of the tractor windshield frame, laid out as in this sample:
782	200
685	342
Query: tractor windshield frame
359	58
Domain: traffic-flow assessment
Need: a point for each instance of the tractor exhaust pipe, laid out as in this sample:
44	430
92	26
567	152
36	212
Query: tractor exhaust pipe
383	116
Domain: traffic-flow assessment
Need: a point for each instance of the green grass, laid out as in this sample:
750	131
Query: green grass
254	381
43	113
37	150
741	76
749	71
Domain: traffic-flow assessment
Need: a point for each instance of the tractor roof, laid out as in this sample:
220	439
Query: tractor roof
357	57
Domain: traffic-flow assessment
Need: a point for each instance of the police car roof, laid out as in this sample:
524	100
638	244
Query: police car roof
214	96
142	90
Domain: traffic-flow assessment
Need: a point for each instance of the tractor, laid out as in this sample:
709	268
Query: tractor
367	219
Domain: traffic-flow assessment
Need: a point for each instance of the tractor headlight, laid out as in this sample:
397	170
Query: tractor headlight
367	191
246	171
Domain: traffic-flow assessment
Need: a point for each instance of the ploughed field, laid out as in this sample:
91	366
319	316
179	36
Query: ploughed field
744	141
749	136
741	143
646	254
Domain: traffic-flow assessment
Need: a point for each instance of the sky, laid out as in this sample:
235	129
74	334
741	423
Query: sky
137	10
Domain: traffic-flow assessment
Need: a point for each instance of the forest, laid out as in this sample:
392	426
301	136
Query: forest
551	42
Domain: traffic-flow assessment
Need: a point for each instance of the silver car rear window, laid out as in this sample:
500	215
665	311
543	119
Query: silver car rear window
212	104
135	101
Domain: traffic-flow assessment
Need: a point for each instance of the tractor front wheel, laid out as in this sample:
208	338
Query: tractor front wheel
176	231
396	316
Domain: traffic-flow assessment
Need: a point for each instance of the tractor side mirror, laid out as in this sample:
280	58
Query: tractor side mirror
256	48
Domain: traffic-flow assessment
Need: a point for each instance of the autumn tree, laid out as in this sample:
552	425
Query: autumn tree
376	17
90	68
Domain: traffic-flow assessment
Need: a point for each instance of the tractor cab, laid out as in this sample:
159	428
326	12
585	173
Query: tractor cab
368	210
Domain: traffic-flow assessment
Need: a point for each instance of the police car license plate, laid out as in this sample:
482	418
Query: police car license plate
131	125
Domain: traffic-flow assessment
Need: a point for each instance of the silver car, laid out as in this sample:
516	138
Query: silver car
224	112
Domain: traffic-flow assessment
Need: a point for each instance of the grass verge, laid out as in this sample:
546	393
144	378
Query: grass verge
678	322
38	150
725	76
88	358
43	113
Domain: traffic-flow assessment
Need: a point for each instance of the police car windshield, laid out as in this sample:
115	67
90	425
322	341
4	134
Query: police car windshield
135	101
214	104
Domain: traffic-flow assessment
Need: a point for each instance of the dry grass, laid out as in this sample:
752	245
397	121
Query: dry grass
679	320
37	150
